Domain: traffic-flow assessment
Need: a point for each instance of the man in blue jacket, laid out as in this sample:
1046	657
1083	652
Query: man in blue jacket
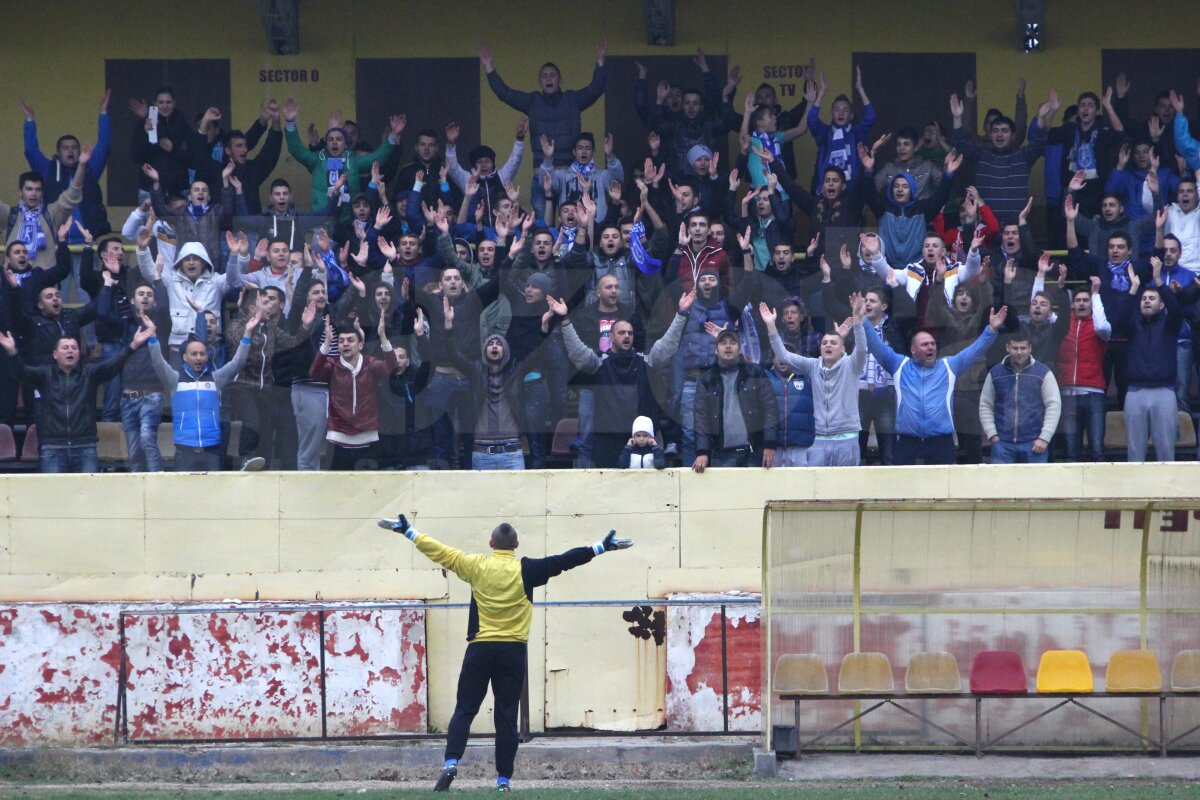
925	391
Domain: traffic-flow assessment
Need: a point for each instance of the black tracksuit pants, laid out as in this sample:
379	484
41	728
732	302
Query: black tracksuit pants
503	665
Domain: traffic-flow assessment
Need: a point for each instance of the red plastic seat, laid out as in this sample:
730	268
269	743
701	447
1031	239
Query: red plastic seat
564	433
29	450
8	445
998	672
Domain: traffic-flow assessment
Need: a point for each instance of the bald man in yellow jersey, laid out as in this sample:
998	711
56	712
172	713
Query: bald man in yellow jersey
497	631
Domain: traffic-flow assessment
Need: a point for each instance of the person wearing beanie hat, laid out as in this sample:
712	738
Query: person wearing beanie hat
481	171
698	351
564	181
642	451
335	161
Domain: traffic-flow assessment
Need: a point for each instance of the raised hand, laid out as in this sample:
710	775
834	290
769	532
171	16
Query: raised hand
1177	101
1023	217
291	110
956	107
601	51
397	123
382	217
143	333
451	132
826	270
713	329
547	145
1077	181
768	316
654	142
686	300
26	109
7	342
1070	209
996	318
700	60
150	172
641	68
138	107
952	162
661	91
559	306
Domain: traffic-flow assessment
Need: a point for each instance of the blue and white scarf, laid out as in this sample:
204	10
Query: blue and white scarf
197	211
1083	154
637	250
1118	276
31	229
584	170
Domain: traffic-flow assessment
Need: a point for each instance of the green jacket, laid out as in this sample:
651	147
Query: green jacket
318	165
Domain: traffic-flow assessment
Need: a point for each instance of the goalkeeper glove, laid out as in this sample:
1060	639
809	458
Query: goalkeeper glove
611	542
400	525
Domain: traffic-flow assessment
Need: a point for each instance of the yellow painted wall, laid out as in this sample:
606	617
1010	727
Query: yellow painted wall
311	536
68	76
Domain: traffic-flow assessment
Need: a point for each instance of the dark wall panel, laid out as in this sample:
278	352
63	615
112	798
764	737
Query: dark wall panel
198	83
1151	72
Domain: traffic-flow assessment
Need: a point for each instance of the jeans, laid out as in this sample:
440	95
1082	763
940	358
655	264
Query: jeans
929	450
450	399
512	461
687	418
1150	413
536	413
198	459
587	419
1084	412
736	457
139	419
1017	453
1183	373
56	458
111	411
878	408
310	404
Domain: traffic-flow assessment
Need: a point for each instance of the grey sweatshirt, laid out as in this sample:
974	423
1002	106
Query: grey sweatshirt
835	389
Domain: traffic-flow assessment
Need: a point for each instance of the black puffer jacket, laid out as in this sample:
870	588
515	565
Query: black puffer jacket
69	398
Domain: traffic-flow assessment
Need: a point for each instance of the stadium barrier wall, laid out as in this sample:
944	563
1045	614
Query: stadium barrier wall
90	545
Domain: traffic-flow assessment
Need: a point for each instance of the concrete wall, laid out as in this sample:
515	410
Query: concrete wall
523	35
312	537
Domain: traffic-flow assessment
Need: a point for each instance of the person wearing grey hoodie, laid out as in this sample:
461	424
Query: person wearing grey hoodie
834	378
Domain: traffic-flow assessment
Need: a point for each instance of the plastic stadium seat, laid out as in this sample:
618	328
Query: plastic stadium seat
865	673
932	672
800	674
1187	431
1114	430
29	450
998	672
111	444
1133	671
166	440
1185	671
8	445
564	433
1064	672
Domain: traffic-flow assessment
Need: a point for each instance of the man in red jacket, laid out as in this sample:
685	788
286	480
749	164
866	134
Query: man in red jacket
1080	372
354	380
697	251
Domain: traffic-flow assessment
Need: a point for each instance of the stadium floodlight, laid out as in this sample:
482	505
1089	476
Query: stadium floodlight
1031	16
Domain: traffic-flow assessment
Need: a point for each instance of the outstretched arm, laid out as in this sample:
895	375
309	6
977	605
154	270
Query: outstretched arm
453	559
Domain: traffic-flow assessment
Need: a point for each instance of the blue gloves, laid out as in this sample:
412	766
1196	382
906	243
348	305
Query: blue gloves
610	543
400	525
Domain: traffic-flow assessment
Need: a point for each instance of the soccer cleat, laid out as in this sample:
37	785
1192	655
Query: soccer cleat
503	788
445	779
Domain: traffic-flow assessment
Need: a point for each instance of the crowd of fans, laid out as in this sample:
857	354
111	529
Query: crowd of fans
412	308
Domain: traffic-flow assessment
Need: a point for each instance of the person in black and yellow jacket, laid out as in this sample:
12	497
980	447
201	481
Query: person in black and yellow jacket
497	630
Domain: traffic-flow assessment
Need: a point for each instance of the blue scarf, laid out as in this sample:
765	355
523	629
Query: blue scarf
585	170
31	229
748	334
648	265
197	211
1118	277
336	279
1083	155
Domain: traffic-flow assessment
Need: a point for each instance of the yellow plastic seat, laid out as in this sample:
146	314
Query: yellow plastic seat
1133	671
1185	671
933	672
1064	672
865	673
800	673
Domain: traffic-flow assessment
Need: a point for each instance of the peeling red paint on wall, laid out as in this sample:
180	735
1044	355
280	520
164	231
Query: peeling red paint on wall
694	692
199	676
58	677
375	672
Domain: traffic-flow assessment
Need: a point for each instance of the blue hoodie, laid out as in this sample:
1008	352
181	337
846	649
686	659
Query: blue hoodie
902	226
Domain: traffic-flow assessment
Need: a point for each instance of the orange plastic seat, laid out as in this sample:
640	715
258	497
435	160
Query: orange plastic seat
933	673
866	673
1064	672
1133	671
